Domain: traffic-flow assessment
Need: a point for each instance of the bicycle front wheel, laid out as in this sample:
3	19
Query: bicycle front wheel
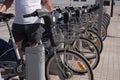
75	62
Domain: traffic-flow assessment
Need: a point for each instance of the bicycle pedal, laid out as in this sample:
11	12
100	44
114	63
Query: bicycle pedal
5	71
20	70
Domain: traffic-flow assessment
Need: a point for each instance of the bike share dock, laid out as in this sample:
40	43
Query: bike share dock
109	66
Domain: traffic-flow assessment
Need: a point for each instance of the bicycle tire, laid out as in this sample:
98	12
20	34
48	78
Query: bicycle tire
103	34
93	58
50	65
96	39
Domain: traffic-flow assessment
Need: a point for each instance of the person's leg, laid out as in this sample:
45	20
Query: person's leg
19	46
34	33
33	44
19	36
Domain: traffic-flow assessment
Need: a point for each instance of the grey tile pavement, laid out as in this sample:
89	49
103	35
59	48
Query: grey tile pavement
109	66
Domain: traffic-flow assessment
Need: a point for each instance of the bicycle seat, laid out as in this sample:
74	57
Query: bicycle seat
5	16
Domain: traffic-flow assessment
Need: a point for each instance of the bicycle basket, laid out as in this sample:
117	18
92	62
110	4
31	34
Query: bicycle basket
65	33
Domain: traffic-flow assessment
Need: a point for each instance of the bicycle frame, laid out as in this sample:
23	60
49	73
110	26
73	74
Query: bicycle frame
10	58
13	41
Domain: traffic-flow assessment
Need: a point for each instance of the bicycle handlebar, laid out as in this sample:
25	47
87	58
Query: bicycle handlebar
38	12
27	15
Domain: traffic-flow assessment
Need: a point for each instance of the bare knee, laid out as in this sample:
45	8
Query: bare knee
33	44
19	44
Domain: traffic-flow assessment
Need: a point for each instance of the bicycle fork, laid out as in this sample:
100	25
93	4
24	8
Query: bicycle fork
63	71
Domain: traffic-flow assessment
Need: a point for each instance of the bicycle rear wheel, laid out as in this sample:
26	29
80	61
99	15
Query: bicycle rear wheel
75	62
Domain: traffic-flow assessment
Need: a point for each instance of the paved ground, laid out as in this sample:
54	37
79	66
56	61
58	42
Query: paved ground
109	66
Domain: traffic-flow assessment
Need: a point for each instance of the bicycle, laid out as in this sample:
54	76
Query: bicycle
10	60
82	45
61	59
17	67
86	18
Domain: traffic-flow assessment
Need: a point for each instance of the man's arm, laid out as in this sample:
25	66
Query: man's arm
48	5
6	5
